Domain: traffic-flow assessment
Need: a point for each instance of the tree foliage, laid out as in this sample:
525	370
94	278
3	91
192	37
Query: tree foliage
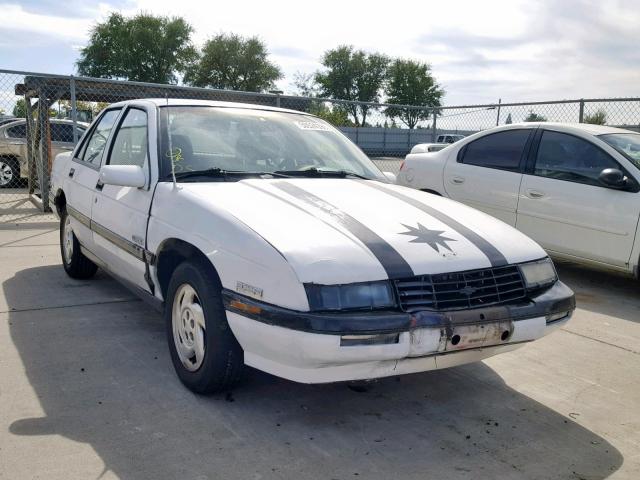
230	61
305	84
144	48
411	83
534	117
353	75
20	108
597	118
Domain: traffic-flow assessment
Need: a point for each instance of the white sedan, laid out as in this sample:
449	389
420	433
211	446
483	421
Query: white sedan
574	188
268	239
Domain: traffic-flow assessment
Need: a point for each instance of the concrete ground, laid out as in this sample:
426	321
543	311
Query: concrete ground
87	391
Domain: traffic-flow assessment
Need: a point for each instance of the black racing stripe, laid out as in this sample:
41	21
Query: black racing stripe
496	258
393	263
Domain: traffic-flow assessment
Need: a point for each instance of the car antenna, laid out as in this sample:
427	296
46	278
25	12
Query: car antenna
173	170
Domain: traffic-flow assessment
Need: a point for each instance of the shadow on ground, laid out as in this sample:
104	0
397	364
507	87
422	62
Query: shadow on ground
104	377
601	291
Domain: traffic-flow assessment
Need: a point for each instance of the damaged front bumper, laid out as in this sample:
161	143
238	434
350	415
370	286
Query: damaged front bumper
317	347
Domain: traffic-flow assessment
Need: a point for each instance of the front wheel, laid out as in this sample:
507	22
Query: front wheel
73	260
204	351
9	173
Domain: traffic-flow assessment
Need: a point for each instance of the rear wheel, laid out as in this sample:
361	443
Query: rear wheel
204	351
73	260
9	173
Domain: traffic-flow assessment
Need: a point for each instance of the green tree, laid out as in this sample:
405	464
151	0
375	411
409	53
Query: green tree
534	117
233	62
20	108
597	118
143	48
335	114
411	83
353	75
305	84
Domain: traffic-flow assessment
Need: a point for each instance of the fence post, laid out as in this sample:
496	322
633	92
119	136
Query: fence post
74	111
498	116
31	166
434	131
581	114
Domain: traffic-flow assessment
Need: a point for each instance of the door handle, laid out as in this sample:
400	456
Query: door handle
457	180
534	194
71	172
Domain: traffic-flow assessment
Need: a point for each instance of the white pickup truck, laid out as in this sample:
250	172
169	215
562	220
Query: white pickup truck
268	239
573	188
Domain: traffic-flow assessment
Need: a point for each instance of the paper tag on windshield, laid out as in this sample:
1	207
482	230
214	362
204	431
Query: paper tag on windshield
311	125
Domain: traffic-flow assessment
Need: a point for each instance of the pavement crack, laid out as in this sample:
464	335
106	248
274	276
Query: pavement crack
126	300
600	341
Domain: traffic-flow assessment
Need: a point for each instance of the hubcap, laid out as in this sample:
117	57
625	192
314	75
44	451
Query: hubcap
187	318
6	173
67	240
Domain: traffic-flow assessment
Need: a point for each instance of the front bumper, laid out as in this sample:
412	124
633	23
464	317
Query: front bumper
557	299
324	347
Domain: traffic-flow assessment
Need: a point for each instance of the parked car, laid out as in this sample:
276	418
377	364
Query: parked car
573	188
428	147
268	239
7	119
449	138
13	147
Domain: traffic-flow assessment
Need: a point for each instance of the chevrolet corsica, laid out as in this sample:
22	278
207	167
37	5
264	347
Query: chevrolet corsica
270	240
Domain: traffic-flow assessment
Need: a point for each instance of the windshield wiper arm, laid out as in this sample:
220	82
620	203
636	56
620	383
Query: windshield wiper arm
222	173
316	172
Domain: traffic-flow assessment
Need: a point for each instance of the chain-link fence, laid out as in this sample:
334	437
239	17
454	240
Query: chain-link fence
42	115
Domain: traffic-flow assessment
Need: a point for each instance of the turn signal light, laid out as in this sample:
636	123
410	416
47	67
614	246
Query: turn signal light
245	307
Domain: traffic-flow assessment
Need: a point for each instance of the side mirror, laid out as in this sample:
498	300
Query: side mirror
390	176
612	177
123	175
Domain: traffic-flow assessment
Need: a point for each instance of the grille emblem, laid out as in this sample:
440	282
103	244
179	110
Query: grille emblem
468	290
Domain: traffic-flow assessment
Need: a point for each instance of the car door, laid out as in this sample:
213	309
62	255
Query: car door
120	214
486	172
82	176
564	206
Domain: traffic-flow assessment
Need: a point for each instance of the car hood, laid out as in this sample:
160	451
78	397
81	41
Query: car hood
334	231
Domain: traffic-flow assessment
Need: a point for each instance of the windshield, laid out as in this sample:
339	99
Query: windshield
627	144
244	140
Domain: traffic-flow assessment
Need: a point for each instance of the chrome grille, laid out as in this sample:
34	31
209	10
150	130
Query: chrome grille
459	290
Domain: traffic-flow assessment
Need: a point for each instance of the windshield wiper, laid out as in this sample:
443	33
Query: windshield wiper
222	173
316	173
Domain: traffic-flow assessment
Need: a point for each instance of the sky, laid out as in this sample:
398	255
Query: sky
480	51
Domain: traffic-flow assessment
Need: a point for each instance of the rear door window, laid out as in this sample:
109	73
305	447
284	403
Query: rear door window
501	150
18	131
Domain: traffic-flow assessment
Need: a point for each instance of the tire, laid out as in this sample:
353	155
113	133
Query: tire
74	262
205	353
9	173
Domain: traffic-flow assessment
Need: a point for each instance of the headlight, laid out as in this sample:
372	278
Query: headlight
369	295
538	274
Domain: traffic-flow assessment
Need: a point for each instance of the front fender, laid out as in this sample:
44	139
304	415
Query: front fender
240	256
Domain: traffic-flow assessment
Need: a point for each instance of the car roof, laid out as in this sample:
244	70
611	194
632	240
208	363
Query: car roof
573	127
186	102
19	121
